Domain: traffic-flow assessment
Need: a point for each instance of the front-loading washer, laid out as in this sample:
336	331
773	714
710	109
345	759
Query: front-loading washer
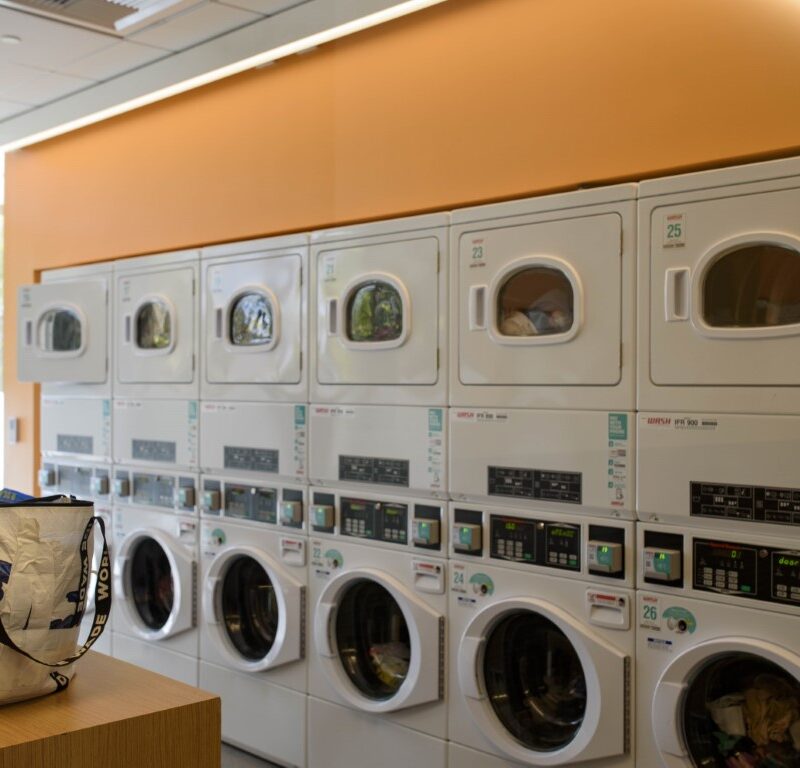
377	659
254	386
718	649
254	612
64	342
92	482
719	289
155	567
542	639
157	381
379	312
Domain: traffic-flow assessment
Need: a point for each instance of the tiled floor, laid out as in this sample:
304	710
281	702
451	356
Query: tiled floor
234	758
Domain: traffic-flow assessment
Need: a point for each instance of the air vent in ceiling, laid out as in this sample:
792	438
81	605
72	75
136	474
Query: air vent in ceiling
118	17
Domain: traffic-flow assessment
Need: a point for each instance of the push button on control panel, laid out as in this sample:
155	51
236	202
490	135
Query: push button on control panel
662	564
467	538
323	515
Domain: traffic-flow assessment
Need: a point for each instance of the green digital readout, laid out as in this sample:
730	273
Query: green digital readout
511	526
604	550
563	533
791	562
663	556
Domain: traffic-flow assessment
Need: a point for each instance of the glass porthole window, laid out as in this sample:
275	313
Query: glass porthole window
757	286
153	326
740	709
535	681
535	301
60	331
151	584
251	320
374	312
250	608
373	640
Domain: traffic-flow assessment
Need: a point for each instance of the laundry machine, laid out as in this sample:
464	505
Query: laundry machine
718	648
156	385
254	386
719	333
543	326
379	312
64	341
719	286
542	639
378	620
254	612
92	482
155	563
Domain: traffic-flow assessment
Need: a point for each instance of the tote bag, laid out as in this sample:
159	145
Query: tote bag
45	555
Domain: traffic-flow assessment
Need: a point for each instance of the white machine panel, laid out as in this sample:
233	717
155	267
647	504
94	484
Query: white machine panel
75	426
156	313
64	331
380	312
400	449
719	281
719	470
156	432
255	329
254	437
543	314
568	460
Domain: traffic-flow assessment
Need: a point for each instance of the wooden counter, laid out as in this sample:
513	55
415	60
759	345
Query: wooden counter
113	715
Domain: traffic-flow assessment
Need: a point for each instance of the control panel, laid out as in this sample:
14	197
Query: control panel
537	542
752	503
152	489
251	502
770	574
255	503
378	520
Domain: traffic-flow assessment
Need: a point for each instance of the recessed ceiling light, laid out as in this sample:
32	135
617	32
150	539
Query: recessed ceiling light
10	39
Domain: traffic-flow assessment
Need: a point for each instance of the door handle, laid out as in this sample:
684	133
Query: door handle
333	318
127	329
218	323
676	294
477	307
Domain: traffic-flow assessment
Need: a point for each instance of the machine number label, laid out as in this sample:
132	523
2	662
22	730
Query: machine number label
674	230
459	582
649	617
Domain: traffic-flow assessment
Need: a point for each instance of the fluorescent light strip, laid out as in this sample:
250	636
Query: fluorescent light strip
267	57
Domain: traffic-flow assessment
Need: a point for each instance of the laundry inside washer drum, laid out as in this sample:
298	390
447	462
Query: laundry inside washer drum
742	711
151	584
535	681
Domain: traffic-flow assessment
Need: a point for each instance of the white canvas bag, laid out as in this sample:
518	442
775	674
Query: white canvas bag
45	554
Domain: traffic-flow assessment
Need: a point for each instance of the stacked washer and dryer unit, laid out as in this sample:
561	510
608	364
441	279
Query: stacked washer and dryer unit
65	343
253	536
718	609
156	462
541	597
377	467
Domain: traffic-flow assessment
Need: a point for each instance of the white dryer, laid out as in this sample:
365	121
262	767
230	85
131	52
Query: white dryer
253	626
719	285
156	386
379	312
155	571
255	357
718	649
541	640
378	613
64	341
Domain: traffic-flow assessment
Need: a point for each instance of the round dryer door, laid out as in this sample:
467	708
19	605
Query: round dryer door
379	644
732	702
154	584
540	687
254	610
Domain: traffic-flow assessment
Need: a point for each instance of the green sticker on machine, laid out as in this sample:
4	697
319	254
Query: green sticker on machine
617	426
435	419
482	583
680	619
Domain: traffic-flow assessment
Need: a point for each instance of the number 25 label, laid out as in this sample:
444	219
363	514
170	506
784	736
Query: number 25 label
674	230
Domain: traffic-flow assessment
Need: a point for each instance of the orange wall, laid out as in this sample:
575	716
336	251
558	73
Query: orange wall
473	100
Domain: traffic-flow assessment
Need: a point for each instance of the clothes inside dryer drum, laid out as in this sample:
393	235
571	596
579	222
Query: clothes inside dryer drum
60	331
742	711
151	583
153	326
534	680
251	320
373	640
249	608
374	313
535	301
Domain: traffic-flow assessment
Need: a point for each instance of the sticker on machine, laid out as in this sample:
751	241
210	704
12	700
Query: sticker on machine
649	613
674	230
480	416
333	411
617	479
659	644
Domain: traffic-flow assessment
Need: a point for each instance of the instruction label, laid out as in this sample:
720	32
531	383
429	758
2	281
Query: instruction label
618	459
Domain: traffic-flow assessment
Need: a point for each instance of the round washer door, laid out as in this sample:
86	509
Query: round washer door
721	698
540	687
379	644
154	581
253	609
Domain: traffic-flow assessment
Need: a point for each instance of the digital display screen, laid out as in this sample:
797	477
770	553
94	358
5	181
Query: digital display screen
511	526
791	562
563	533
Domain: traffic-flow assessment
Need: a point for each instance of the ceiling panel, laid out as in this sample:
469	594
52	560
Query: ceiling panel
265	7
28	85
117	58
8	108
195	25
45	43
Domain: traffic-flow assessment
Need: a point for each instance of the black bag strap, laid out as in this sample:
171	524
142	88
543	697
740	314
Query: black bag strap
102	604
